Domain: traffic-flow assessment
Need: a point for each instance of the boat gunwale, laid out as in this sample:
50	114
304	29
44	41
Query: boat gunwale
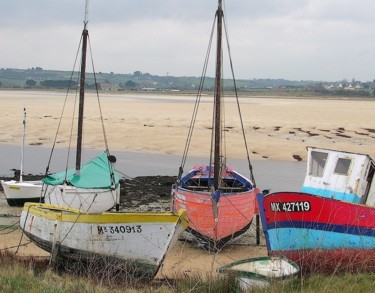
65	214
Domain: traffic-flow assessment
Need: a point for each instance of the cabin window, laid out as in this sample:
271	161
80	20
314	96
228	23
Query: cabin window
342	166
318	162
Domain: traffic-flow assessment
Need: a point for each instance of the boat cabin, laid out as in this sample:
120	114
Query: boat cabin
340	175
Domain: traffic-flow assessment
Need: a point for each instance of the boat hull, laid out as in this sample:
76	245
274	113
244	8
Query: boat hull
320	234
260	271
17	193
88	200
234	213
137	242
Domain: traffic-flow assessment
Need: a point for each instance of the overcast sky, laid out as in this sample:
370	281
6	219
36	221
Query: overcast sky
325	40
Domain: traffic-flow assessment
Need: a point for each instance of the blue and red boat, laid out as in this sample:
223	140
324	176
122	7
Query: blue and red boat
330	225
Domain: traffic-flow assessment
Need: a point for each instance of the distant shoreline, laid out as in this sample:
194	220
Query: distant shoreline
274	94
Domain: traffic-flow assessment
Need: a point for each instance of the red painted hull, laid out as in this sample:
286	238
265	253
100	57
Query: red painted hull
323	210
216	218
235	213
331	261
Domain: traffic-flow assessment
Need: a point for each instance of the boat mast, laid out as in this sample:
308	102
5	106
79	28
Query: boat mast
82	93
217	96
23	143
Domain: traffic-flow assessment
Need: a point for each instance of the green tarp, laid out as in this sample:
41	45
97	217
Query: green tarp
94	174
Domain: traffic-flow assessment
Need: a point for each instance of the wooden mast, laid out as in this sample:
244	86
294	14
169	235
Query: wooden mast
23	143
85	34
217	97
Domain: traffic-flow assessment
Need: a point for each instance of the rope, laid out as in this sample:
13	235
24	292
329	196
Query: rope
60	121
14	246
7	228
79	214
23	229
63	110
219	15
238	105
71	135
123	174
197	102
97	96
110	166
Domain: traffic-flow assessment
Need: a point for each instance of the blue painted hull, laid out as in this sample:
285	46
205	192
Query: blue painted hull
318	232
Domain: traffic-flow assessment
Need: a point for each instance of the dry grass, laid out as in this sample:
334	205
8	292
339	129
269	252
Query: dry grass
32	275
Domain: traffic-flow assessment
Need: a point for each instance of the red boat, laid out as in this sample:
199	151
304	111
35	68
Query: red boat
330	225
216	218
220	202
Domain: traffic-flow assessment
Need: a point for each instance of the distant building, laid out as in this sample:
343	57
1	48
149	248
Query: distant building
149	89
106	86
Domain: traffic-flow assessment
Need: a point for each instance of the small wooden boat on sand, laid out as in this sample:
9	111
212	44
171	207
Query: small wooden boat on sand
261	271
17	192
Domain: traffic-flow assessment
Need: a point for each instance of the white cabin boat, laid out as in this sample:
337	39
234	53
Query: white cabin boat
340	175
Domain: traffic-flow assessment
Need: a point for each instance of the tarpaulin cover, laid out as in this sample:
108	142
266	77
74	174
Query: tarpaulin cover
94	174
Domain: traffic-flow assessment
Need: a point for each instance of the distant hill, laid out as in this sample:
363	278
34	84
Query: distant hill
39	78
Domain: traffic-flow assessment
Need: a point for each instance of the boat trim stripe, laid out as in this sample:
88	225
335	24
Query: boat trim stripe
52	212
345	229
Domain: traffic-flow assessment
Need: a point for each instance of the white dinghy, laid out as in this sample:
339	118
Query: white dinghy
261	271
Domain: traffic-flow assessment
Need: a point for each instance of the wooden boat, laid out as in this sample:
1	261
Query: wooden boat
92	187
17	192
220	202
260	271
135	243
330	225
96	188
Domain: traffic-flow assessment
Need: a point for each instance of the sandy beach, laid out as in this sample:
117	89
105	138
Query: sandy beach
276	128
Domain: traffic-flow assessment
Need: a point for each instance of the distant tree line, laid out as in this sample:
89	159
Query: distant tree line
37	77
58	83
64	84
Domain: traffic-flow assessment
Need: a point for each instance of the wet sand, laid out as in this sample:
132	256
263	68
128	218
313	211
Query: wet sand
276	128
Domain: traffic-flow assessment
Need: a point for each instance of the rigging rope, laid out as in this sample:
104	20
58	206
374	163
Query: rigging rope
238	104
110	166
74	114
8	227
197	102
62	113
